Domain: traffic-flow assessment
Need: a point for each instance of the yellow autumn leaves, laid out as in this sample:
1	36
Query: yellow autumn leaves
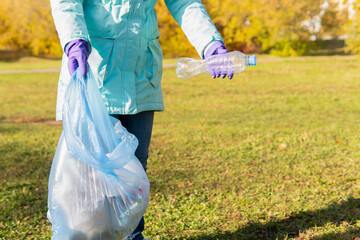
275	26
28	26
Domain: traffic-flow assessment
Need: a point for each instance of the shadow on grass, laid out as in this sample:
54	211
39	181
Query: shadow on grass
15	55
291	227
11	55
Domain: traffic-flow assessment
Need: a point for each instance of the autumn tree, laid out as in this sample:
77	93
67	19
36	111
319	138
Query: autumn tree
353	29
276	26
334	19
28	26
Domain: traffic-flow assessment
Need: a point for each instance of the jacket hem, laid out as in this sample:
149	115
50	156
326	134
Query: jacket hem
115	110
139	108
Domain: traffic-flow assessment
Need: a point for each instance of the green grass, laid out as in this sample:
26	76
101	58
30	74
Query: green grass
272	154
28	97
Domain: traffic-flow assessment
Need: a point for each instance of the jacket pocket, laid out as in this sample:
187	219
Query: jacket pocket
154	62
99	58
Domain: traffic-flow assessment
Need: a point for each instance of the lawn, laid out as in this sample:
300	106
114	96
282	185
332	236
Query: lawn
272	154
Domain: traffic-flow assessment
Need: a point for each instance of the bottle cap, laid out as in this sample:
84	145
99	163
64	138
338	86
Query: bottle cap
252	60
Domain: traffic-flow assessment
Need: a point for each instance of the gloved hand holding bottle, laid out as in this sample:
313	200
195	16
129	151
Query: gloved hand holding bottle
219	63
78	52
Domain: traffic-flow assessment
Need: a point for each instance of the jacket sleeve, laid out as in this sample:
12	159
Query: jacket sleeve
195	22
69	20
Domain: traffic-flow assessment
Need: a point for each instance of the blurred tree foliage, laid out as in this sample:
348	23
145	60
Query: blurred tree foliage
353	29
281	27
334	19
28	26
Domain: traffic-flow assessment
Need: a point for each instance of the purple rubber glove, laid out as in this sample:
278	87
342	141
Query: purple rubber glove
78	52
219	64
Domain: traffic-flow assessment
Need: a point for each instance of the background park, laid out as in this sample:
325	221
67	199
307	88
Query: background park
272	154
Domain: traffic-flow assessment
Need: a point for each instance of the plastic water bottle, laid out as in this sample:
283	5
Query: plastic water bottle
188	67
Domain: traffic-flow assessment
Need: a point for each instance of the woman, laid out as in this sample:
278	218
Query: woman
119	41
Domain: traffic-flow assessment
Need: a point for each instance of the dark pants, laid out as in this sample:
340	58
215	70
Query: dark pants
140	125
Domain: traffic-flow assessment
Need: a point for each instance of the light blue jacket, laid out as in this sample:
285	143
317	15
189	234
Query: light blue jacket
126	57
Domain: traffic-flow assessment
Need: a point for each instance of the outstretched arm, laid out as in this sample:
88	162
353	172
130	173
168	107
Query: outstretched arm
193	19
202	34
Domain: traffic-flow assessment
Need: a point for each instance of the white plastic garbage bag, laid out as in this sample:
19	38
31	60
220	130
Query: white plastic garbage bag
97	187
